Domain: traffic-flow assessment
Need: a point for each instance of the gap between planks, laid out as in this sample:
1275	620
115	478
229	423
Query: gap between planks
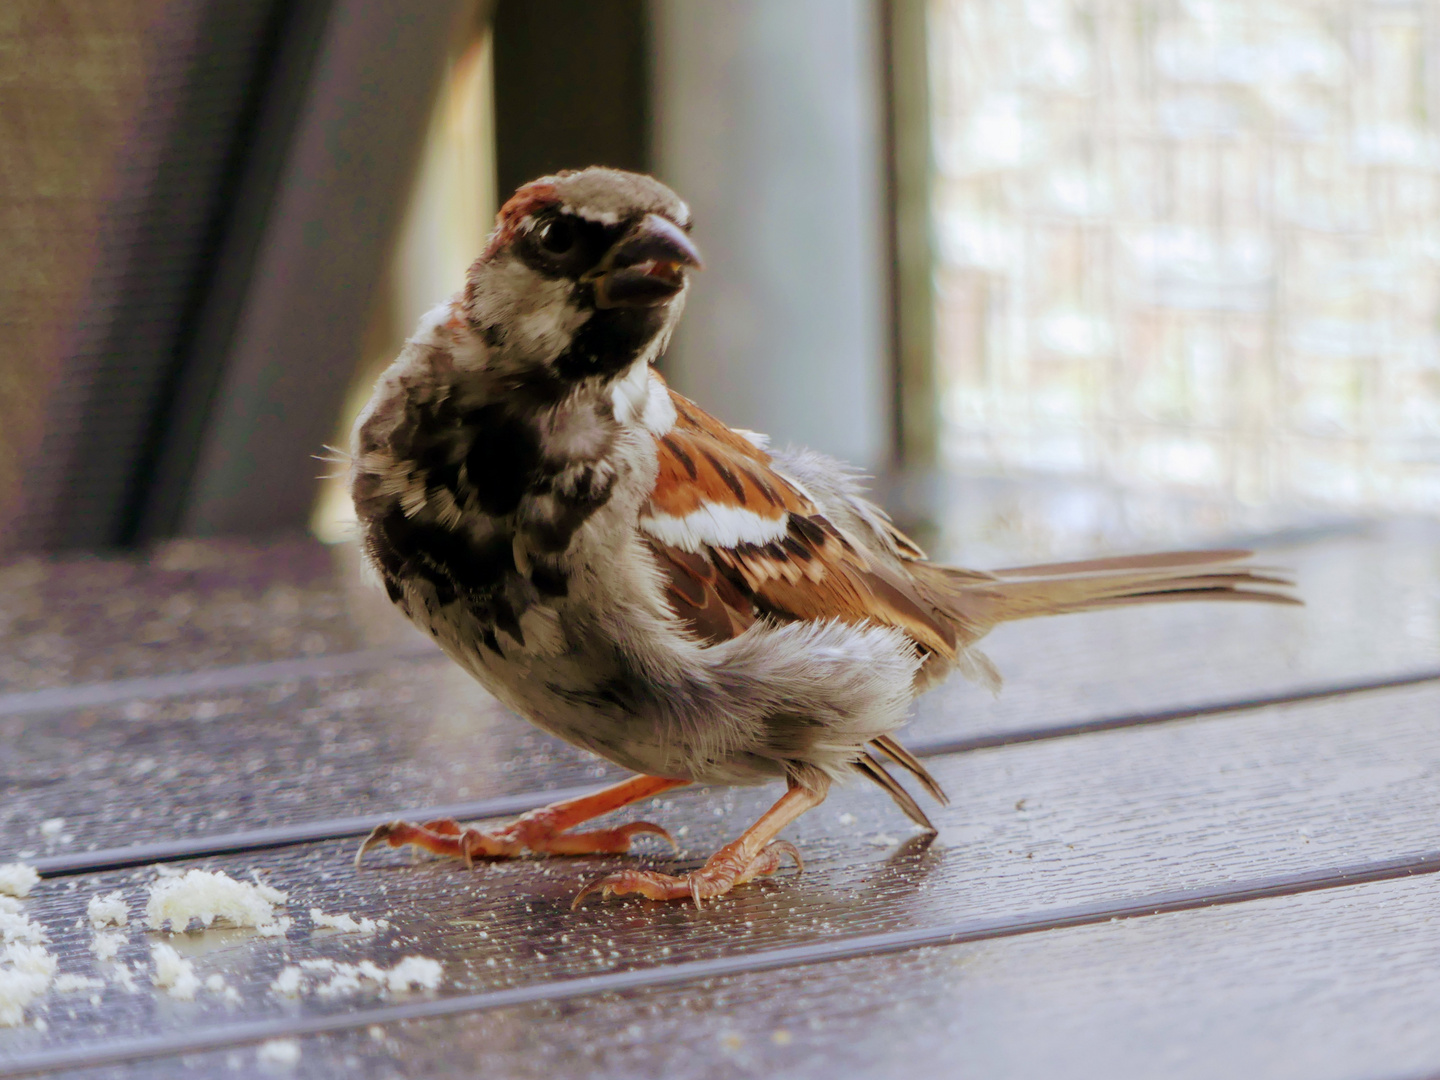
119	1052
238	842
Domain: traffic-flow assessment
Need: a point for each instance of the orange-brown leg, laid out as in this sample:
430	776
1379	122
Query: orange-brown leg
754	853
542	831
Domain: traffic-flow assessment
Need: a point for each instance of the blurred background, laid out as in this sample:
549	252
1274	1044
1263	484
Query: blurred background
1063	276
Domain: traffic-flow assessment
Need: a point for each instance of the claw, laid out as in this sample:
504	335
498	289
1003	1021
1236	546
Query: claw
599	884
378	835
649	828
785	847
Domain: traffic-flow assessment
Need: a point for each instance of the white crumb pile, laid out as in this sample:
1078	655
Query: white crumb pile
108	910
17	879
25	974
346	924
26	967
178	903
345	980
16	927
214	898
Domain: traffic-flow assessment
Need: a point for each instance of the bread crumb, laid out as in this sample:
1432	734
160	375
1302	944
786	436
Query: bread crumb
421	972
25	974
278	1052
276	929
124	978
51	828
212	898
105	944
346	980
346	924
177	976
16	927
108	910
17	879
288	982
65	984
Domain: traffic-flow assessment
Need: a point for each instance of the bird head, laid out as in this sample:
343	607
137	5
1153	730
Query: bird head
585	273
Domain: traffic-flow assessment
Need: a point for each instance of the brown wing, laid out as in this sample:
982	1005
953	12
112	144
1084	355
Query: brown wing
739	541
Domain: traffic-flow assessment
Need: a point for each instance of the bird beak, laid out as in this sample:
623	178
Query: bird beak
646	267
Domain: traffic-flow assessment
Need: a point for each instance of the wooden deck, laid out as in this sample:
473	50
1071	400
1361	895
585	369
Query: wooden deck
1189	841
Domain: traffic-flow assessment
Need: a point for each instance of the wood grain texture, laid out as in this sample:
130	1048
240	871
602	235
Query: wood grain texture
183	606
414	734
1033	828
1325	986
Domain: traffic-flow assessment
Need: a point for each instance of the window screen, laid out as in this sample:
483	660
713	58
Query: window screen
1192	247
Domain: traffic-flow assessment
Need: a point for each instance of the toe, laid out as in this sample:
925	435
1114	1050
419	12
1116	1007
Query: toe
771	859
648	883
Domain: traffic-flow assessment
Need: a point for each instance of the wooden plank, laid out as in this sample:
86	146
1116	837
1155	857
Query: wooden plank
420	733
1034	831
188	606
1326	986
415	734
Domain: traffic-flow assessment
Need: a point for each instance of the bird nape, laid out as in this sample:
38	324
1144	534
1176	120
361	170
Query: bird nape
637	578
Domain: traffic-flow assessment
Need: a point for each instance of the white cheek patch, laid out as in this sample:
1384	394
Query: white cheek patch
536	311
714	525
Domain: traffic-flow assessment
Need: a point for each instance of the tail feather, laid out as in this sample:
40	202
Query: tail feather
1062	588
868	767
891	748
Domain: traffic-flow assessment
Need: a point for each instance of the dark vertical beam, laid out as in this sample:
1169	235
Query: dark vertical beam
171	217
912	261
161	475
255	220
240	455
572	87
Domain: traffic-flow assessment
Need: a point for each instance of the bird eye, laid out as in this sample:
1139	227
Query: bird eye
557	236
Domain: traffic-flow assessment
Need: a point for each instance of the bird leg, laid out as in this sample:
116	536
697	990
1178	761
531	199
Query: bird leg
541	831
753	854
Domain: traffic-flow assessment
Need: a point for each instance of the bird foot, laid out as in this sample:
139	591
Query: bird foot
725	869
529	833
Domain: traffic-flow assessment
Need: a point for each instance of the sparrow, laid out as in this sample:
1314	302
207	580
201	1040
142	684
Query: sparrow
637	578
